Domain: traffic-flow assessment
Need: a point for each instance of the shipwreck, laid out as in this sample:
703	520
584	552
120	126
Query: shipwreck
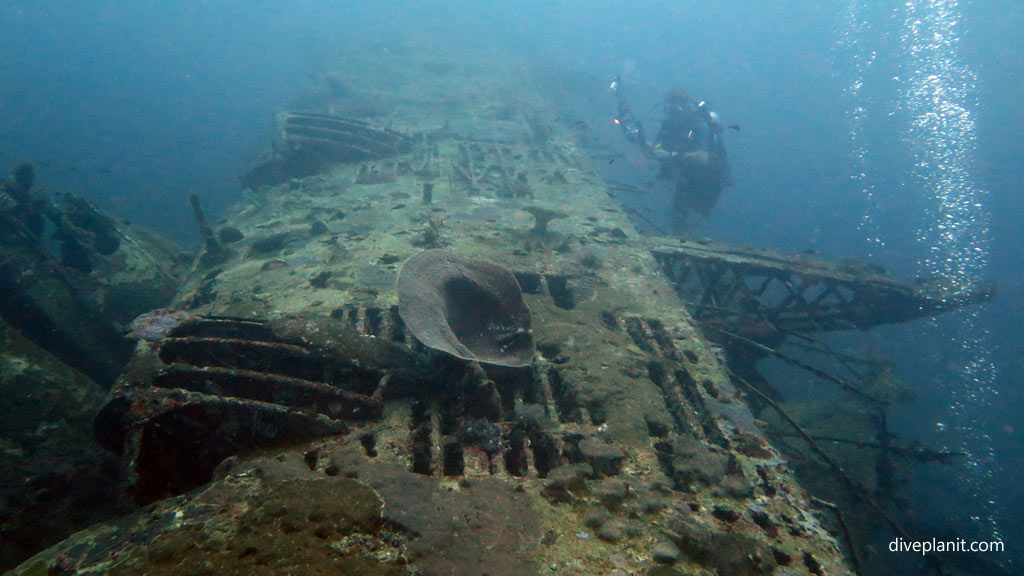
432	342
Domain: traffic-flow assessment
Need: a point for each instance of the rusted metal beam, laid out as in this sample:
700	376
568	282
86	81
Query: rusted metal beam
733	286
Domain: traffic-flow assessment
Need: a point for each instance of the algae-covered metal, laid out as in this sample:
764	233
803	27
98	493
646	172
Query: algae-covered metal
622	448
732	286
71	279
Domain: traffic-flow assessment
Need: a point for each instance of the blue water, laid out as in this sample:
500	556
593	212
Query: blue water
136	104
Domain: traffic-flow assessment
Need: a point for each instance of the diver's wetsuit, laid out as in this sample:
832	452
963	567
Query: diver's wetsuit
691	152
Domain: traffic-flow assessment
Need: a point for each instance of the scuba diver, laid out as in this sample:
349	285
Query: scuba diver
690	149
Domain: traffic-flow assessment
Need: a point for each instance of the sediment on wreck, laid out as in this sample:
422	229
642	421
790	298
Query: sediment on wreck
620	444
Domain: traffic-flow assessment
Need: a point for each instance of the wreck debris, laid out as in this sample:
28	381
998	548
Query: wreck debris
71	279
852	484
431	237
44	305
753	302
214	250
53	479
311	142
472	309
73	306
238	384
106	238
541	217
735	287
842	383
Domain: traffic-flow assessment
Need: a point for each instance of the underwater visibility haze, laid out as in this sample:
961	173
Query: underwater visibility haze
869	136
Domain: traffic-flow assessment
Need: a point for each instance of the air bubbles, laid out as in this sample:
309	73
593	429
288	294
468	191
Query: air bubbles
937	96
935	106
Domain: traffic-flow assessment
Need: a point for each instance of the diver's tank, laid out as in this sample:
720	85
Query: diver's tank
294	414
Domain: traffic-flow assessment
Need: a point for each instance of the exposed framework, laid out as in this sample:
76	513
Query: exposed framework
735	288
310	143
751	300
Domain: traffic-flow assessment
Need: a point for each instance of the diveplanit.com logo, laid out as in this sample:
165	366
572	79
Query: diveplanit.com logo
923	547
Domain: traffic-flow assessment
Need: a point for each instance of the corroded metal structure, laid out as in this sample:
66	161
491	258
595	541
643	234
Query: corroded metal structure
750	300
315	433
71	277
68	285
733	286
310	142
